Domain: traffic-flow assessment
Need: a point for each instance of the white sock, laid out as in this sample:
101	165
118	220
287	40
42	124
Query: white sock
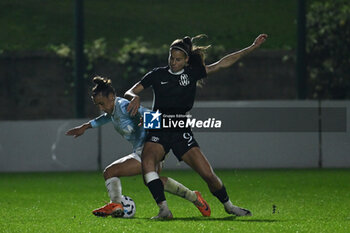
232	209
114	189
164	211
163	208
174	187
228	205
163	205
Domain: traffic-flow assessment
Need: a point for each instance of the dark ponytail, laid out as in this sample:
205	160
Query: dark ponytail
103	86
188	41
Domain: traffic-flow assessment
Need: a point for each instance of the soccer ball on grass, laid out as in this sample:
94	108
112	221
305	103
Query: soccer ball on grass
129	207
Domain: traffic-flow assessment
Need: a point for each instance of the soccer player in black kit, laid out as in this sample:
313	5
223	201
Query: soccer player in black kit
174	88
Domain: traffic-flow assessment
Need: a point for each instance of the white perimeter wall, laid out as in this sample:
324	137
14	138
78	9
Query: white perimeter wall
43	146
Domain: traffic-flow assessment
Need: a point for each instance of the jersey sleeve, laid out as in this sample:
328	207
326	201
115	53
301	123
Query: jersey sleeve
123	105
101	120
147	80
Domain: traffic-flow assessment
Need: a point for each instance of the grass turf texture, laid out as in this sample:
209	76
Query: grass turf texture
305	200
33	24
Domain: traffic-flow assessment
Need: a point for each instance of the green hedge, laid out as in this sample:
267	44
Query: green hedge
34	24
328	49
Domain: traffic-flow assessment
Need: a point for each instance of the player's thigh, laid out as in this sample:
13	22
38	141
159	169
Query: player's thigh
152	151
152	155
129	165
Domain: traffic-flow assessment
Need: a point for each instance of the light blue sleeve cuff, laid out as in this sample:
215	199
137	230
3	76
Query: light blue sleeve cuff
93	123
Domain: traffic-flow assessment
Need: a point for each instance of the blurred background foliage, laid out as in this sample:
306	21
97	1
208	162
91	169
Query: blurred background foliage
34	24
328	49
136	33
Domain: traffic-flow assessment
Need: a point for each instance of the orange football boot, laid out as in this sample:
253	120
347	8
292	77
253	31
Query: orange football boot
113	209
202	205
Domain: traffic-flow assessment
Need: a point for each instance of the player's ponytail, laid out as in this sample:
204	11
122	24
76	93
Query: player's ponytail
188	41
103	86
197	57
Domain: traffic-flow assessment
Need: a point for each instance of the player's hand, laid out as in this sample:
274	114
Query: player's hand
259	40
76	132
134	105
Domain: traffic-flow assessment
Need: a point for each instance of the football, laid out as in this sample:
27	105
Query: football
129	207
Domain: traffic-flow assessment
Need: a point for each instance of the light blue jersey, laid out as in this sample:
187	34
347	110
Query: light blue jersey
123	123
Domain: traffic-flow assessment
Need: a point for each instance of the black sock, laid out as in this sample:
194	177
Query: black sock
221	194
157	189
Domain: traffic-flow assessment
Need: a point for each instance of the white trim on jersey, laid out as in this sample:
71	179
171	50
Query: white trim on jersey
177	73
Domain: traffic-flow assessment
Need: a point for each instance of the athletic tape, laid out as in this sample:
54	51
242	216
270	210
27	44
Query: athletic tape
150	176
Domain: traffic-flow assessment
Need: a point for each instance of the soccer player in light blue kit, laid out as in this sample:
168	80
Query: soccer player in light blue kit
115	111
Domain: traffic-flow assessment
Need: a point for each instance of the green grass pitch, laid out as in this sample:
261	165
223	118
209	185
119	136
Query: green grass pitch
305	201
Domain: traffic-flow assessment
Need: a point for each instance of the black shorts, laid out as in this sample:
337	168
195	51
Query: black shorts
178	141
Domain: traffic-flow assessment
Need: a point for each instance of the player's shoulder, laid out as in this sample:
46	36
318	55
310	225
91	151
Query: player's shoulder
121	100
195	67
198	71
155	74
159	70
121	103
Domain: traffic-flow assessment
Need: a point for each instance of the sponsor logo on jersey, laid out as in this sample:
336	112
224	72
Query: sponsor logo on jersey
184	80
154	139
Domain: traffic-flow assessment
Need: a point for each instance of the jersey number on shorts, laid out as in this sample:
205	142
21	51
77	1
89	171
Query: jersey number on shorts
189	138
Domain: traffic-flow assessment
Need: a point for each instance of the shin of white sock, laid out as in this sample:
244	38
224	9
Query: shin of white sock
114	189
174	187
238	211
228	205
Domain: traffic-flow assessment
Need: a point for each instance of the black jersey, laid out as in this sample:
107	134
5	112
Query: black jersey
173	93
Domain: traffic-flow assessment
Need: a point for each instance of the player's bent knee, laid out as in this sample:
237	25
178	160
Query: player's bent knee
110	172
149	161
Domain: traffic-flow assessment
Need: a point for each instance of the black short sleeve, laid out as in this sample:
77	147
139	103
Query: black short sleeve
147	80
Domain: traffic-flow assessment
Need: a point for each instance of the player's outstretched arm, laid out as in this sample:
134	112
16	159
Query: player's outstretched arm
79	130
231	58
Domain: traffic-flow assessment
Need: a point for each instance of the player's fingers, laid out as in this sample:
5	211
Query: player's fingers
129	107
136	108
134	111
69	132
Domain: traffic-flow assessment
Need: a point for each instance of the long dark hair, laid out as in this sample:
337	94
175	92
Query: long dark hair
195	53
103	86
